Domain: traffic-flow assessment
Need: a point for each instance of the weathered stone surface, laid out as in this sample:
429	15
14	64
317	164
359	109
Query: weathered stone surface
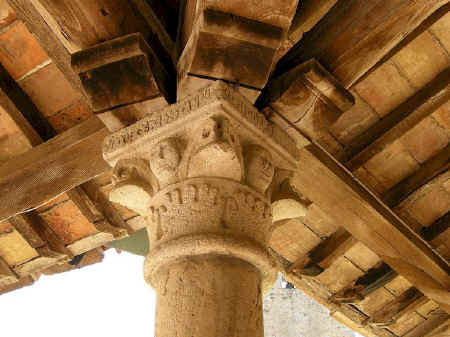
202	173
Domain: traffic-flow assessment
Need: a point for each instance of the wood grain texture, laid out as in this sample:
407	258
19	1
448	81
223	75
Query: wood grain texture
355	35
372	223
122	71
81	24
405	303
325	254
397	123
52	168
438	164
46	38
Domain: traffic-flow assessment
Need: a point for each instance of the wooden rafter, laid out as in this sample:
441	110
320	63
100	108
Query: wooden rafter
354	36
48	170
433	167
405	303
431	232
323	256
397	122
372	223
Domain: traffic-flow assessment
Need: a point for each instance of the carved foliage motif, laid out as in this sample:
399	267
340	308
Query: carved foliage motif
214	151
195	107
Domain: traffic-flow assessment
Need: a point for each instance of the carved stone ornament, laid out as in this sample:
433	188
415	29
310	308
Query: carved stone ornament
201	172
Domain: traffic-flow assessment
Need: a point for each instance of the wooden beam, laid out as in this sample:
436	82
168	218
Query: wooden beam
438	164
425	328
397	122
89	209
26	12
425	25
368	283
325	254
22	110
372	223
355	35
48	170
309	13
441	330
390	313
436	228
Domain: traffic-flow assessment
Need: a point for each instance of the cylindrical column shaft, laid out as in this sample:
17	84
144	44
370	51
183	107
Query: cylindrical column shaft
209	296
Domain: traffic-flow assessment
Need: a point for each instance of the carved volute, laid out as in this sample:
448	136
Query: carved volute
200	171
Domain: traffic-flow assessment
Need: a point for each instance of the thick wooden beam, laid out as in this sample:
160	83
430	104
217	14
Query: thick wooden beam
438	164
436	228
372	223
309	13
50	169
425	25
323	256
26	12
397	122
355	35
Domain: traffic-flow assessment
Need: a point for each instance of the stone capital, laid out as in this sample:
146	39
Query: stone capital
202	172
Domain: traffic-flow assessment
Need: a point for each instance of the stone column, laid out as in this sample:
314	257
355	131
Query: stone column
202	172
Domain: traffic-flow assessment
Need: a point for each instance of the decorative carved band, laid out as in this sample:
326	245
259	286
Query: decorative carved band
216	100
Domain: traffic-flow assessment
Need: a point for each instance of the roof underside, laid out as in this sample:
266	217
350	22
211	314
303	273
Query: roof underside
394	139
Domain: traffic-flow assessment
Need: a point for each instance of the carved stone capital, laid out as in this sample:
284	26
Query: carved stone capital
202	173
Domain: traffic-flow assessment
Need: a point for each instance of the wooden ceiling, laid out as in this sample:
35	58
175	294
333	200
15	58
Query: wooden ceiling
374	246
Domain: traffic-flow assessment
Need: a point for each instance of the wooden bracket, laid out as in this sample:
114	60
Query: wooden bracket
122	71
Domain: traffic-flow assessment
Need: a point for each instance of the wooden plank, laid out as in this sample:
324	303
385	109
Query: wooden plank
397	123
367	284
425	25
14	100
372	223
405	303
440	331
81	24
50	169
308	14
95	216
7	276
355	35
26	12
429	325
433	167
325	254
348	315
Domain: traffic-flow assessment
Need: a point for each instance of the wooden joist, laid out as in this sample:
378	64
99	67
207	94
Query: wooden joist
433	167
355	35
436	228
397	122
26	12
389	314
323	256
372	223
63	28
427	328
364	286
440	331
309	13
48	170
22	110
